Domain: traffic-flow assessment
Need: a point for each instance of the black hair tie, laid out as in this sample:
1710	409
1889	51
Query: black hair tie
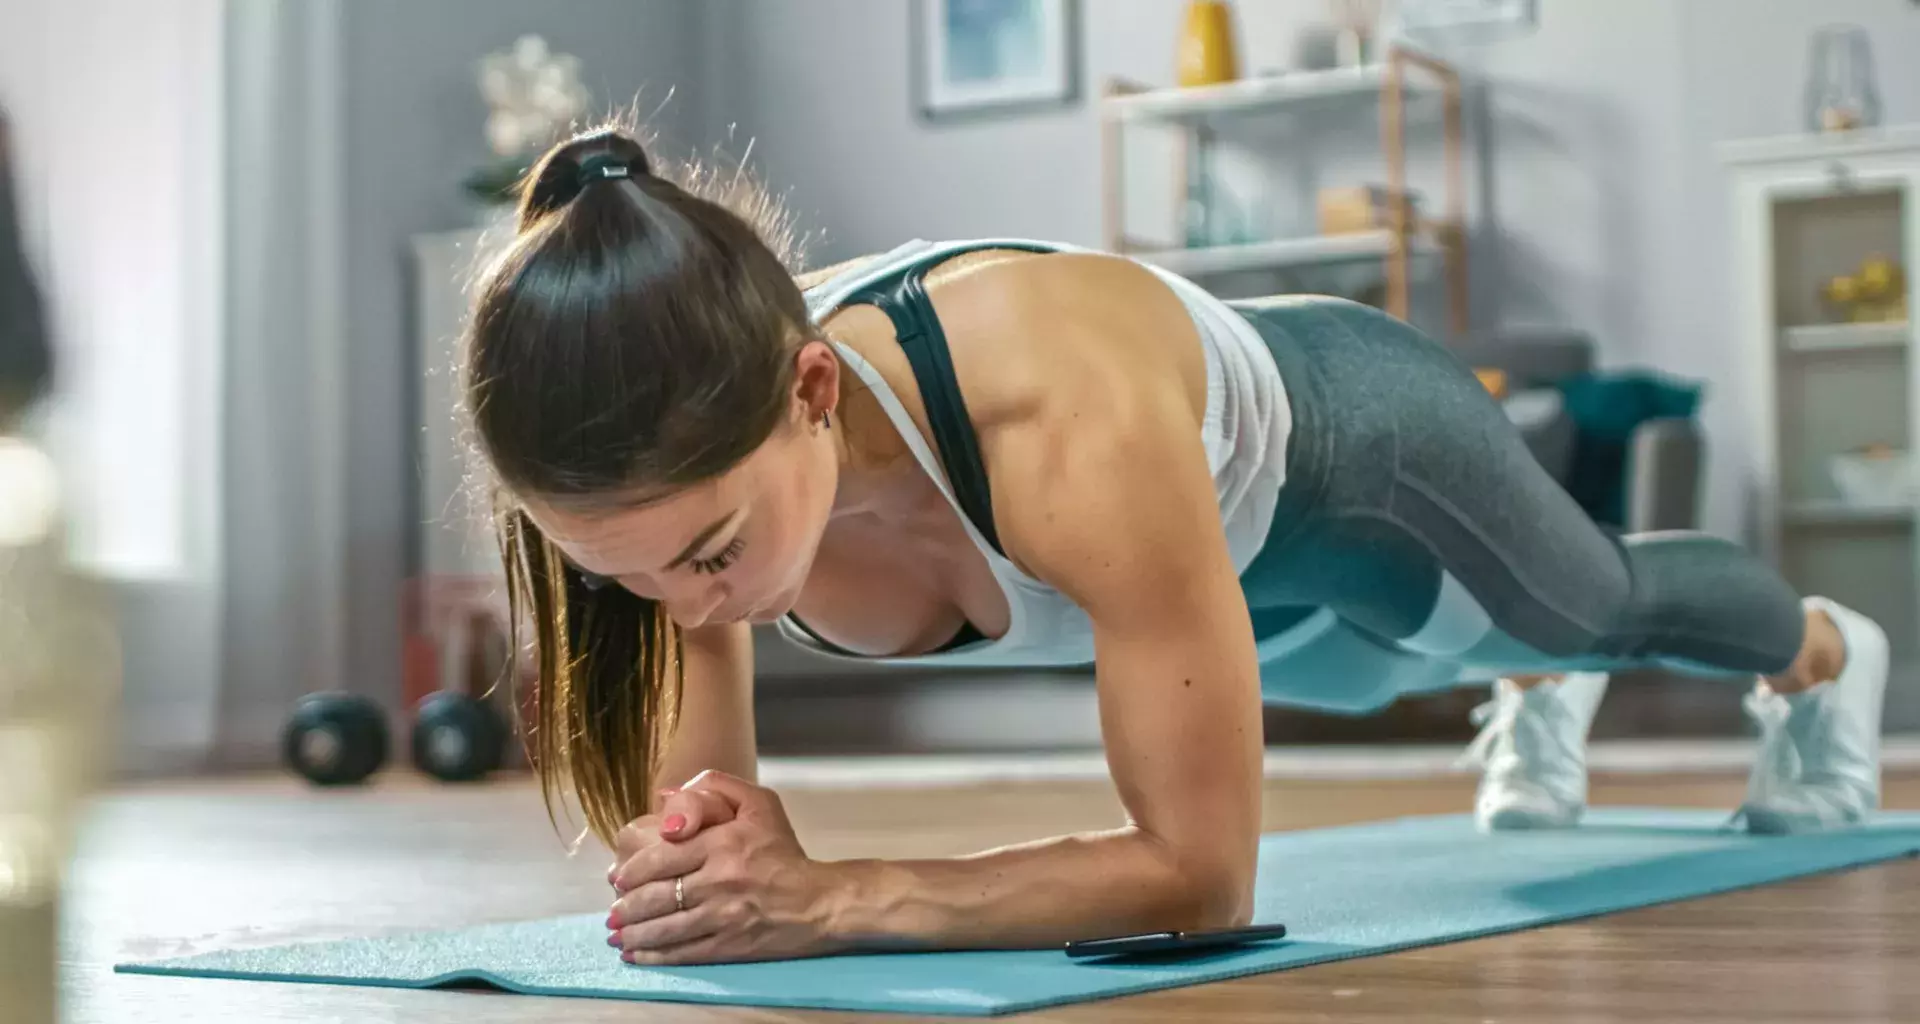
602	166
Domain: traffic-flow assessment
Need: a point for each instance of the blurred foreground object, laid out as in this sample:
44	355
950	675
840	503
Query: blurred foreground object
59	672
26	355
58	685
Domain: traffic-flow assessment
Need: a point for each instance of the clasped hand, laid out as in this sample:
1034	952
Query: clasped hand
746	890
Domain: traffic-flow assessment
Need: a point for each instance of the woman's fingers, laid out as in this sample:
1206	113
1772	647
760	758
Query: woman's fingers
654	899
660	863
674	928
687	811
633	837
683	814
711	946
636	835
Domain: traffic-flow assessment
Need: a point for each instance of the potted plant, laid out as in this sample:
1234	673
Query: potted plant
533	97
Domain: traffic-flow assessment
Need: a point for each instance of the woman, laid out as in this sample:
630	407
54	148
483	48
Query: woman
1020	454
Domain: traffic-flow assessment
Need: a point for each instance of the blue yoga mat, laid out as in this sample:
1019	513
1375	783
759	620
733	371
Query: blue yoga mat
1344	892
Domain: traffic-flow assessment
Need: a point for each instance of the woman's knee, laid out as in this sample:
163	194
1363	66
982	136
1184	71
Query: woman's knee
1708	600
1326	664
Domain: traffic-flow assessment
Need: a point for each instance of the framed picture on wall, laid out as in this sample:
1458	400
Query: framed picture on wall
988	58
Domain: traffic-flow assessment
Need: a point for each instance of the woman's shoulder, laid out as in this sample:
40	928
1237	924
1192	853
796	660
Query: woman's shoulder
1058	343
811	279
941	257
1029	332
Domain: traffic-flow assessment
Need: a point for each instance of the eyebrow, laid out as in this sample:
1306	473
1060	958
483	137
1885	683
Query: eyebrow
701	539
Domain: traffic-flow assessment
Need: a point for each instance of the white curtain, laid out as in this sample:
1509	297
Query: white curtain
182	181
117	114
284	454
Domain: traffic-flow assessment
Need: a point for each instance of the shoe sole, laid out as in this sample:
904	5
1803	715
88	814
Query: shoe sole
1764	822
1516	819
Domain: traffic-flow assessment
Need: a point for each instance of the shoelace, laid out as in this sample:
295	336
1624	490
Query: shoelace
1771	712
1501	717
1495	718
1776	757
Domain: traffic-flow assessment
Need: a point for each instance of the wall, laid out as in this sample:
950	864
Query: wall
821	88
413	129
1602	205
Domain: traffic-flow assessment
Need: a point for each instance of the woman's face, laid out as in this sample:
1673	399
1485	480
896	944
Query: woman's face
733	549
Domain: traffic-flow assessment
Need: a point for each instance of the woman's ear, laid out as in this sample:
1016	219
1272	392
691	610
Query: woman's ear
816	381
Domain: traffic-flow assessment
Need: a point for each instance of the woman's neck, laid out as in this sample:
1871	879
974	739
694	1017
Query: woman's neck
878	473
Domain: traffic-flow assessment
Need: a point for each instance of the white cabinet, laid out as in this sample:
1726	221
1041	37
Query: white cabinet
1821	385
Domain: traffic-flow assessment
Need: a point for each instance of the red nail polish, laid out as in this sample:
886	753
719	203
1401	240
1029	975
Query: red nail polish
614	940
613	922
627	956
674	823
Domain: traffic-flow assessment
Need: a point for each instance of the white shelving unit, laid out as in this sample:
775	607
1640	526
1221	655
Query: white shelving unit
1293	91
1844	337
1405	81
1806	209
1830	512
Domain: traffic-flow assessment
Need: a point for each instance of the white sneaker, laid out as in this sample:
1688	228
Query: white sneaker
1533	747
1819	760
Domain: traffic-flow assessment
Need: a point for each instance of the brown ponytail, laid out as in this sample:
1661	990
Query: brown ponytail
609	669
636	337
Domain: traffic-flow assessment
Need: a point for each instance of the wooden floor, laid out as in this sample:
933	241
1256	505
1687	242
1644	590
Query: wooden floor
177	869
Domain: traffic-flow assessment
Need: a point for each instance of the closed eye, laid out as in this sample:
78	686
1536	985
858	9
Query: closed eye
719	562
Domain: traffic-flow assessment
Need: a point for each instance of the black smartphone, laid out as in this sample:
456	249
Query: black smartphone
1173	942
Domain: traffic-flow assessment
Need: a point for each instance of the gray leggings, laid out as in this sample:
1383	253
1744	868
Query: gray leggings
1418	543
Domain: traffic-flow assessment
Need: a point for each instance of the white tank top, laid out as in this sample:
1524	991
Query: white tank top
1244	432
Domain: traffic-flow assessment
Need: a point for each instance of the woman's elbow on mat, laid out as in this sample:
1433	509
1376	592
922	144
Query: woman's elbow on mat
1211	890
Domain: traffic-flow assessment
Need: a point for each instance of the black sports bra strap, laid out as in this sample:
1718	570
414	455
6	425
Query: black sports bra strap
925	345
905	301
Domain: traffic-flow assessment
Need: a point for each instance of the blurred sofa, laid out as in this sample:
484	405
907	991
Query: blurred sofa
1665	455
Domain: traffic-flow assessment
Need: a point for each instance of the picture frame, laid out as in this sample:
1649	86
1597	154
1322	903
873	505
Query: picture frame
976	59
1467	17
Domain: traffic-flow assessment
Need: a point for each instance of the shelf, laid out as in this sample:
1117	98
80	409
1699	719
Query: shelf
1838	513
1269	93
1827	146
1845	337
1313	250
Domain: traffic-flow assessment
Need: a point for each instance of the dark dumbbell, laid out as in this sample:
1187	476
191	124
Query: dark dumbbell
335	739
457	738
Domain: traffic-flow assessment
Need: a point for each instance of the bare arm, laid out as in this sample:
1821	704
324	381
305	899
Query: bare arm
1108	497
716	728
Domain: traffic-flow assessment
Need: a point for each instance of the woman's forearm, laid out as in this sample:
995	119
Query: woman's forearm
1033	895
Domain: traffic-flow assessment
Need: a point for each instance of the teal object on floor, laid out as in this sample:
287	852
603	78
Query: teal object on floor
1345	892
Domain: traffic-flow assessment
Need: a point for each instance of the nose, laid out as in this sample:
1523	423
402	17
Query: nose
691	606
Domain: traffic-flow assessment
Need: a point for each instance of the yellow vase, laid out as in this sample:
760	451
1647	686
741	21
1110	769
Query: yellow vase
1207	52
